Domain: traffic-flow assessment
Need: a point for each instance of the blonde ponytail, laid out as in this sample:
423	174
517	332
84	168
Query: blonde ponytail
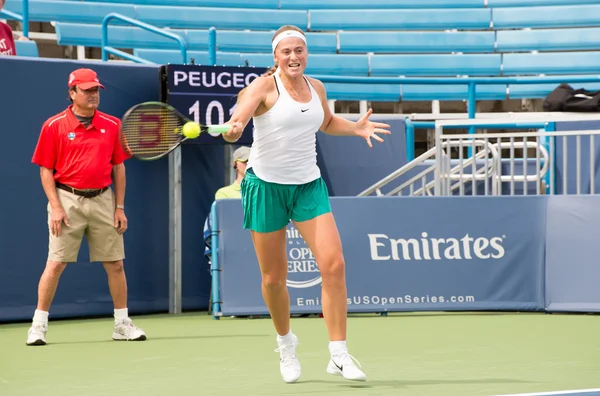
271	71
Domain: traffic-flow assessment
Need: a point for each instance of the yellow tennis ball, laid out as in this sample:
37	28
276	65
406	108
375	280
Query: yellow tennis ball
191	130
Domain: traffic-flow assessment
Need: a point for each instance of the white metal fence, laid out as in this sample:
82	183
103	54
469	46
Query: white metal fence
505	163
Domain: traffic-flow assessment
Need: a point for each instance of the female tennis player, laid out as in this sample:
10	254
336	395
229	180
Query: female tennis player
283	183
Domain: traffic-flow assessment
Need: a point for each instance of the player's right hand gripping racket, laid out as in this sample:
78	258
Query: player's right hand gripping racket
151	130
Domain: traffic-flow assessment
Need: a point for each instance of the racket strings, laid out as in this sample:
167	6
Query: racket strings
151	131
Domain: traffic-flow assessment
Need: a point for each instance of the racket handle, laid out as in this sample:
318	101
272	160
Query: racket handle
218	128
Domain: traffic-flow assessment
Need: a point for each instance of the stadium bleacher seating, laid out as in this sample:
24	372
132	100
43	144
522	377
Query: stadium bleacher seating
348	37
351	4
320	19
204	18
536	3
576	39
400	19
199	57
70	11
551	63
197	39
27	48
415	42
435	65
546	17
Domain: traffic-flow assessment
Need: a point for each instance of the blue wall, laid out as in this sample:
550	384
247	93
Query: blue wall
349	166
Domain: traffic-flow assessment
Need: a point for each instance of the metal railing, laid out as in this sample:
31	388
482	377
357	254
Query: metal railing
491	176
503	163
212	40
24	19
110	50
422	184
457	172
552	156
412	125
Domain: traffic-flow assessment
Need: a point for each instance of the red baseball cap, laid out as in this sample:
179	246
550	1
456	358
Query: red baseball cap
84	79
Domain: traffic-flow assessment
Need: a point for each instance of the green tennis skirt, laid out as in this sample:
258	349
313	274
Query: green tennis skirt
269	207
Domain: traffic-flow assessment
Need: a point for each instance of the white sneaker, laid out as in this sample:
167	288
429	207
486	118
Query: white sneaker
125	330
37	334
342	363
288	361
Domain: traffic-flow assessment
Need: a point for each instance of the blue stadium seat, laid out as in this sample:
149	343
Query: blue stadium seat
308	4
451	92
349	4
400	19
69	11
27	48
234	18
163	57
227	40
118	37
259	41
373	92
436	65
262	4
546	17
536	3
377	4
551	63
547	40
346	65
416	42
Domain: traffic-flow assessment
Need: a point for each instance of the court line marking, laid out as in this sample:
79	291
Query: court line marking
567	392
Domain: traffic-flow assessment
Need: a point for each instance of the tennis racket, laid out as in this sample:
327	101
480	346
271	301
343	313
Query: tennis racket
151	130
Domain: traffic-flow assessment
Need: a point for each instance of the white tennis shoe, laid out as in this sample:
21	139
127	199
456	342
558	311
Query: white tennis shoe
125	330
37	334
342	364
288	361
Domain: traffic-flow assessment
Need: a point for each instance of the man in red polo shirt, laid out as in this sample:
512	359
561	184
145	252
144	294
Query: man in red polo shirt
80	156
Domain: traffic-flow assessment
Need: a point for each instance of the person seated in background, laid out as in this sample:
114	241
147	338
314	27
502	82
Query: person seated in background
240	159
7	41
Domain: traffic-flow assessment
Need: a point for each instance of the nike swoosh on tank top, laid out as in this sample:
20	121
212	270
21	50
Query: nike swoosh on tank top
284	150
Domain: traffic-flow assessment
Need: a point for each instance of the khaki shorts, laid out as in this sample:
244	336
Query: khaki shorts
92	217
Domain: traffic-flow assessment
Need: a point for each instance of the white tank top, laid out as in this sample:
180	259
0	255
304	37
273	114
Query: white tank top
285	143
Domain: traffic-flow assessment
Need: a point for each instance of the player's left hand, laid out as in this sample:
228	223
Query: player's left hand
367	129
120	221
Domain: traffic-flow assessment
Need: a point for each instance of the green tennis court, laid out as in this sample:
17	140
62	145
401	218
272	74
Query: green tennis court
402	354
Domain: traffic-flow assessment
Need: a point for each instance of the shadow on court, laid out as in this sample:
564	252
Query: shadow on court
397	384
155	339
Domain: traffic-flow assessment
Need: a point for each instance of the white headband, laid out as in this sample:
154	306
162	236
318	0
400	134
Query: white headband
287	34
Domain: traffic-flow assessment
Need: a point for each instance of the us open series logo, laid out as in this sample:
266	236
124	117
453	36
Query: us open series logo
302	266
